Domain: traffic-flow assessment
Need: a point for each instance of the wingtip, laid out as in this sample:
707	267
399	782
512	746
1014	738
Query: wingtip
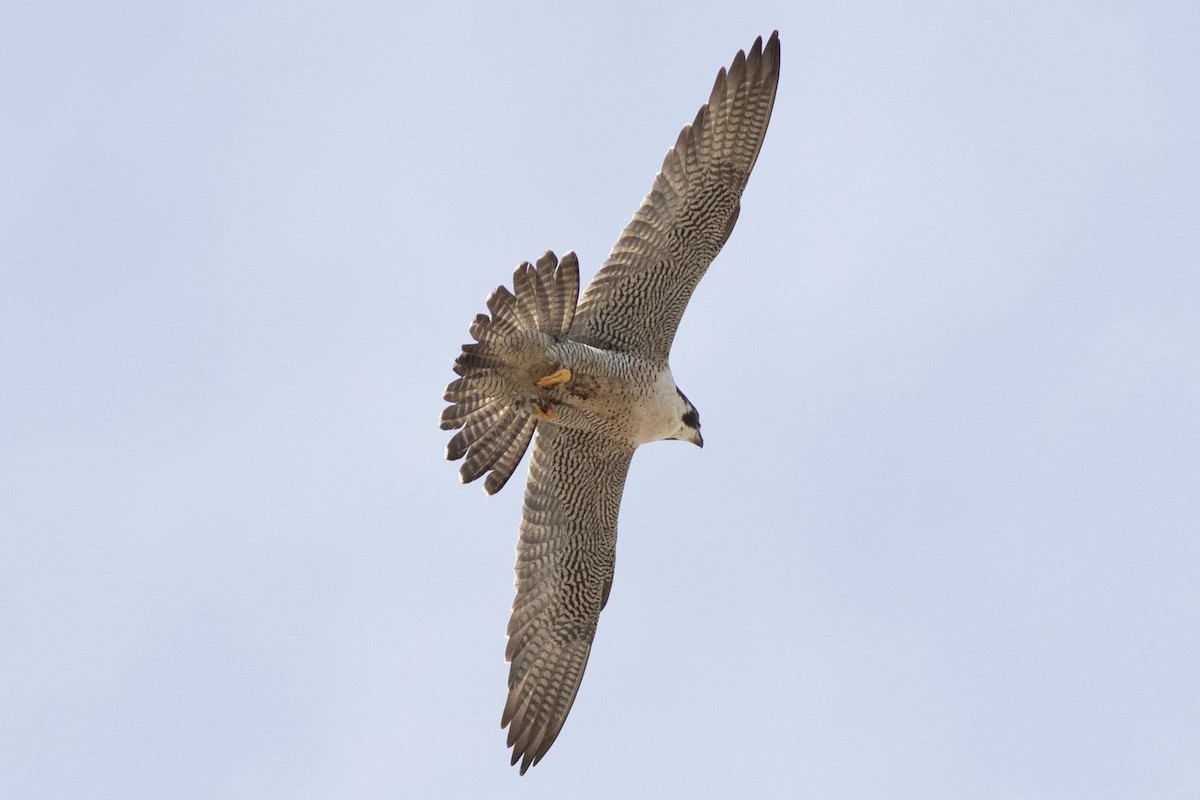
771	52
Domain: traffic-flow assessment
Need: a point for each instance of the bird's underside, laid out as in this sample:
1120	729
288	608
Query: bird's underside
587	380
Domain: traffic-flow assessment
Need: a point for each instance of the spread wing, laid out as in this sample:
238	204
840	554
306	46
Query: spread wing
637	298
565	560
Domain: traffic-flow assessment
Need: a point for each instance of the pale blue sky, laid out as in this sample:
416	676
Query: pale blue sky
943	539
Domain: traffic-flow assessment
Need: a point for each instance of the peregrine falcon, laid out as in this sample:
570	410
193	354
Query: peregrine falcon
590	376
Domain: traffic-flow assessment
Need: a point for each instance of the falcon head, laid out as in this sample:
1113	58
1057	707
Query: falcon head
689	422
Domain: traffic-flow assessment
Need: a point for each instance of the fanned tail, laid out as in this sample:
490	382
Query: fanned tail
490	402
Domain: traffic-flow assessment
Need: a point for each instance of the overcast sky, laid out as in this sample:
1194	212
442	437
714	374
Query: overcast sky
944	536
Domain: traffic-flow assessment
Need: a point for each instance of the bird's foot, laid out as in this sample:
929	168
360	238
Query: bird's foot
556	378
545	412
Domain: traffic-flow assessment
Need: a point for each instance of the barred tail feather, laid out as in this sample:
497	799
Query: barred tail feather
490	401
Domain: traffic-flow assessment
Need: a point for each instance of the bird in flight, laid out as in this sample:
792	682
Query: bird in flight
590	378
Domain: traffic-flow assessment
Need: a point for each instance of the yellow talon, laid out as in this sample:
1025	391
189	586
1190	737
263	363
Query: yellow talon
556	378
547	413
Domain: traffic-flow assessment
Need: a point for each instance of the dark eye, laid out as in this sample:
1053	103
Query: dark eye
691	418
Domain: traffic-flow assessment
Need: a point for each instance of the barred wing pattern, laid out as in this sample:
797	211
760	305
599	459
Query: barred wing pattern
565	559
636	300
